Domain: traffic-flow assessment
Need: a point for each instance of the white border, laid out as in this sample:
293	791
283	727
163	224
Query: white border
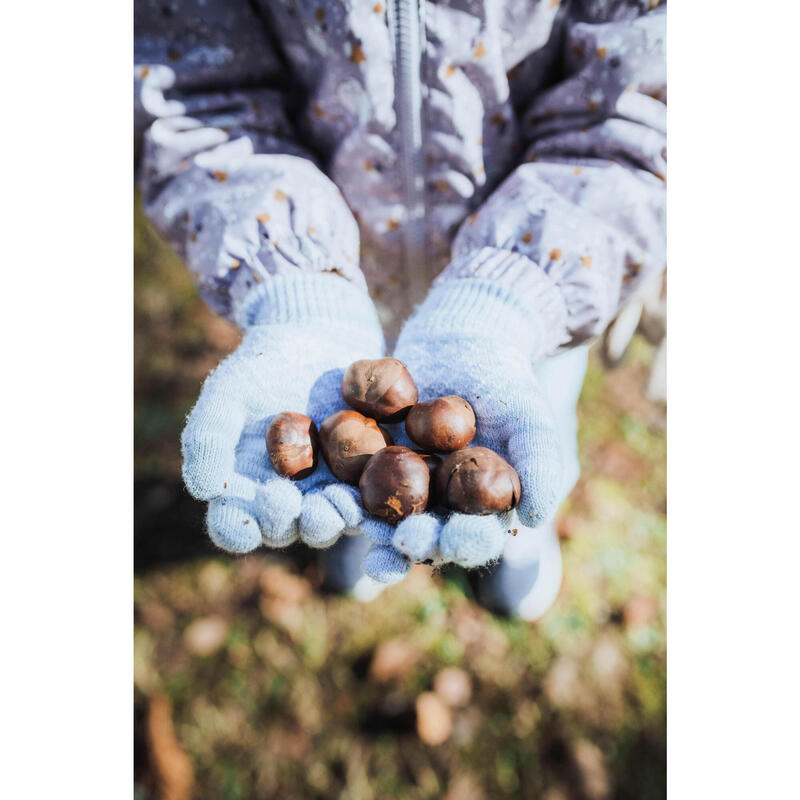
734	310
67	400
66	594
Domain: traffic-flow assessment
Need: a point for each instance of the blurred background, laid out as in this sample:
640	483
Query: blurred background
250	682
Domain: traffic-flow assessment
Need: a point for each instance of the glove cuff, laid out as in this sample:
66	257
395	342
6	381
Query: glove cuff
326	299
494	294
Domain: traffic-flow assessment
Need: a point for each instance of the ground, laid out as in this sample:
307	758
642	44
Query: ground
250	682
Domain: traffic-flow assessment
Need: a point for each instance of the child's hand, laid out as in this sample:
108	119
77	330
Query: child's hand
514	418
299	339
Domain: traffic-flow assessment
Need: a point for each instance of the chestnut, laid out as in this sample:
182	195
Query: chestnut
381	388
477	480
293	445
445	424
348	439
432	462
395	484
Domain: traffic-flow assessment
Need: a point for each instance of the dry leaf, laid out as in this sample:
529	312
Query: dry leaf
591	767
434	722
172	769
205	636
639	611
453	686
393	659
280	584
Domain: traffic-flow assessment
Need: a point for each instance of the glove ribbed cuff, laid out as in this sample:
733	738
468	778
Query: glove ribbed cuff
323	299
526	314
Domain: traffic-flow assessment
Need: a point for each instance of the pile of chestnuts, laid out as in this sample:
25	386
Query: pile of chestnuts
397	481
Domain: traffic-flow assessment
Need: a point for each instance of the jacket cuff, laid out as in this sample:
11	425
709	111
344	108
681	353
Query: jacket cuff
499	294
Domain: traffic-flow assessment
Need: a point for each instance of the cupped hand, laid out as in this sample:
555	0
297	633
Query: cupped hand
514	418
289	360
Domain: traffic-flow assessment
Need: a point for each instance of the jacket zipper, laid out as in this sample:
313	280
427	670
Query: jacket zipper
406	26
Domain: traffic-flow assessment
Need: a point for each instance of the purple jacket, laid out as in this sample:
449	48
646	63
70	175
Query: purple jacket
533	131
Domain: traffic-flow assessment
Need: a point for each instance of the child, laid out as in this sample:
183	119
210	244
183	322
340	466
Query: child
519	145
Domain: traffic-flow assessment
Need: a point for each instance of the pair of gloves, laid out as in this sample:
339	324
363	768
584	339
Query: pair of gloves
470	337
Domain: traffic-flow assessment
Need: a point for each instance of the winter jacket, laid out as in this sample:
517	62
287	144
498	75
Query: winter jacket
518	140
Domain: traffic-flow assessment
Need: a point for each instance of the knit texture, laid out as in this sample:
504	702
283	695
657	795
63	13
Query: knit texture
385	564
496	287
471	338
301	333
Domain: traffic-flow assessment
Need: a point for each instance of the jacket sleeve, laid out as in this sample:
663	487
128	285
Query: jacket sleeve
224	176
580	223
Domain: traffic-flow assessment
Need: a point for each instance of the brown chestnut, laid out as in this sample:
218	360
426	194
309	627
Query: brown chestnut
348	439
432	462
381	388
292	444
477	480
395	484
445	424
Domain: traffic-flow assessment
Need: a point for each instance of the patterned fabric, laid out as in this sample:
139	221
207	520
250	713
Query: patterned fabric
244	108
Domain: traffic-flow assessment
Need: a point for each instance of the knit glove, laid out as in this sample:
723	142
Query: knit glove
477	339
300	334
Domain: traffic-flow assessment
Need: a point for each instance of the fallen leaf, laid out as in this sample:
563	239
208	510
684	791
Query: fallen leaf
434	722
393	659
616	460
453	686
562	684
172	769
280	584
464	787
568	525
205	636
639	611
608	662
591	767
156	616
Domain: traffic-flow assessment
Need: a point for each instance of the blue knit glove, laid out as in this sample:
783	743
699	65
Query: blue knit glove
477	339
301	333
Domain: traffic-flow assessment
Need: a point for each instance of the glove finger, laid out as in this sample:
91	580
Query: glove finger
534	451
278	505
417	537
233	525
208	442
347	501
377	530
320	523
385	564
470	540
